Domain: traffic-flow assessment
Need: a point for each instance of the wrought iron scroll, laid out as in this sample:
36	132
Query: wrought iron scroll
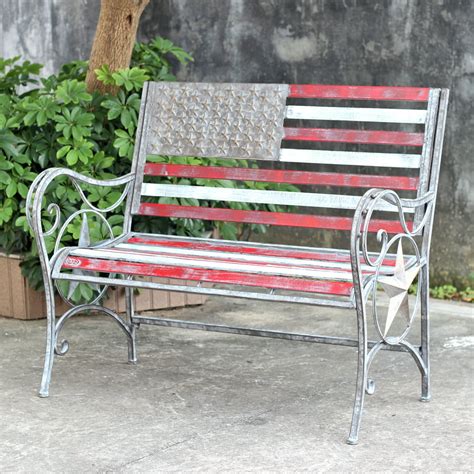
34	214
361	255
63	347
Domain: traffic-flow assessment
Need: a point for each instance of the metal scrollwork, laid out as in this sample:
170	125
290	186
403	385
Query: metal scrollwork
396	279
370	203
84	241
35	214
90	210
63	347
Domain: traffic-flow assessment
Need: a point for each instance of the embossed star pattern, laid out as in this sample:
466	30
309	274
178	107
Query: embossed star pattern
190	119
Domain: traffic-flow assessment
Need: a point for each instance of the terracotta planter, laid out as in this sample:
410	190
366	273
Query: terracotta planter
19	301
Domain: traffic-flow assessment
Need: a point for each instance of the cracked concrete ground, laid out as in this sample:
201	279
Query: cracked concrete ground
211	402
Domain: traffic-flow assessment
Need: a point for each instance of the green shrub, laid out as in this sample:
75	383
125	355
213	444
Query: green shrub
450	292
55	122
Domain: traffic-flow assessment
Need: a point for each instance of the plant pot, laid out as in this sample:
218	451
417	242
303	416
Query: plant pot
19	301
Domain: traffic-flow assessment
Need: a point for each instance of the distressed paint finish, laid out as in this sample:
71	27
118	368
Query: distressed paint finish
282	176
356	114
308	42
241	261
287	219
351	158
318	91
216	262
251	248
284	198
218	276
370	137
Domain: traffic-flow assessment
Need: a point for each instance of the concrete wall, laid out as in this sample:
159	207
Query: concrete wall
400	42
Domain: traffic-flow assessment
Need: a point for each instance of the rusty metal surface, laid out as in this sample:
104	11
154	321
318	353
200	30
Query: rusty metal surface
217	120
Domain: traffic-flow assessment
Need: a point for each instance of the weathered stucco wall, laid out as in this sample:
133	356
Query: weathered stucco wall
399	42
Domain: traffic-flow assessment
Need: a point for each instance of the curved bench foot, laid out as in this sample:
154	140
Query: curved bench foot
352	440
54	330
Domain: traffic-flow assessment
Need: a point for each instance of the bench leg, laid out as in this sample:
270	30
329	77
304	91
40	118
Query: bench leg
362	368
54	328
50	340
131	341
425	337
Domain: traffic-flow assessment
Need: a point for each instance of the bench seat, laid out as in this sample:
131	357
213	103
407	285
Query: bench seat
275	267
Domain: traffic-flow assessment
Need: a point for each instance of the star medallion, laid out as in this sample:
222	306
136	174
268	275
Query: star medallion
396	287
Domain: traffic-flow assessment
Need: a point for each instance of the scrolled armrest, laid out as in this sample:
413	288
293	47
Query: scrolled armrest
44	179
376	199
34	207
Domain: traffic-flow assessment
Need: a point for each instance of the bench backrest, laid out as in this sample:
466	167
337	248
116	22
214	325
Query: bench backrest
249	121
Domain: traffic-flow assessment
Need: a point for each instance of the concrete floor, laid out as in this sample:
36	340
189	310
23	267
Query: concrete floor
222	403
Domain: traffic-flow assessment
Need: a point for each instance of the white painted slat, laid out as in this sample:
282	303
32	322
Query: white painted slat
351	158
266	260
283	198
175	261
356	114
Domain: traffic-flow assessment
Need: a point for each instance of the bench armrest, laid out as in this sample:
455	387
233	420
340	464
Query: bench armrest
363	219
36	193
373	197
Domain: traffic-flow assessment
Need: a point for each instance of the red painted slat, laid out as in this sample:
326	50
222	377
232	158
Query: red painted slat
333	256
213	276
315	91
262	217
373	137
282	176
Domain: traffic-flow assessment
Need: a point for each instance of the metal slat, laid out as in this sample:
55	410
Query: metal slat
351	158
251	248
356	114
241	257
332	201
324	91
191	260
204	275
282	176
367	137
203	290
287	219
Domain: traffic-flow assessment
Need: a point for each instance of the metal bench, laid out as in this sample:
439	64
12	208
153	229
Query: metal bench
250	122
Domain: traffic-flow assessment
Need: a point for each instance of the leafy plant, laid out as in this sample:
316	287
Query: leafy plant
57	123
450	292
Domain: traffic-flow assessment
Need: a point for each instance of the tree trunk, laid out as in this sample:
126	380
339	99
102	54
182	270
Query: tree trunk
114	39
